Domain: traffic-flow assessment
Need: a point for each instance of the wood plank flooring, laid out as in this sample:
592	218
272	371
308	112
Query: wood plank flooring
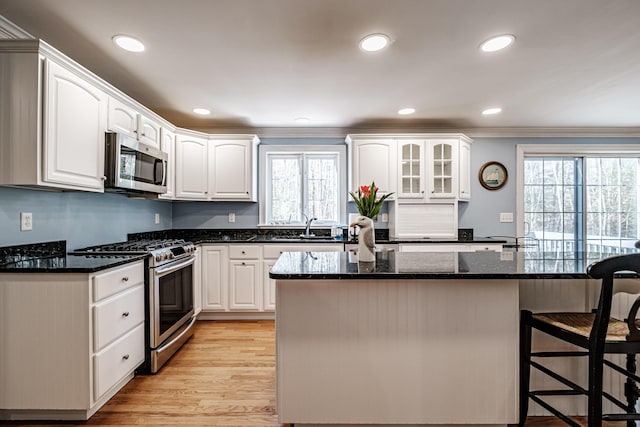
223	376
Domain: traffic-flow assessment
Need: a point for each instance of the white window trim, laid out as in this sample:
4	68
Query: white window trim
265	150
576	150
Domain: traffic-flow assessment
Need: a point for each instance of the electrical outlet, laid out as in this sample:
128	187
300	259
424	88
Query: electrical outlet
384	217
232	217
506	216
157	218
506	256
26	221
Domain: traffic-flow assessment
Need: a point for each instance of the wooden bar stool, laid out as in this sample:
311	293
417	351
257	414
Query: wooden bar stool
596	334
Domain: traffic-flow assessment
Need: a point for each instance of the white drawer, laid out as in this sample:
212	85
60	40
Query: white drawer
274	251
114	281
115	316
117	360
244	252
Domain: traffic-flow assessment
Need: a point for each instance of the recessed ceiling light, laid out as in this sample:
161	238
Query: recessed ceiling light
406	111
497	43
302	120
490	111
128	43
201	111
374	42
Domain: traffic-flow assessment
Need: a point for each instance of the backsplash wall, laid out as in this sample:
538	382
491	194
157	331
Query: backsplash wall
85	219
82	219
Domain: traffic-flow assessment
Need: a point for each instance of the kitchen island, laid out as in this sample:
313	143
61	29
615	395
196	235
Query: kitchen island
414	338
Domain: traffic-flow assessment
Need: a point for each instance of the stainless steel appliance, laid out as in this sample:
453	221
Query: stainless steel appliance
169	294
133	167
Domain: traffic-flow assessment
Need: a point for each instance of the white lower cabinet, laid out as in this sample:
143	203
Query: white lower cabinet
215	260
70	341
450	247
245	284
235	277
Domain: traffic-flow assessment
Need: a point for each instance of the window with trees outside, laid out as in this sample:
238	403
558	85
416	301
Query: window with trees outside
300	183
581	203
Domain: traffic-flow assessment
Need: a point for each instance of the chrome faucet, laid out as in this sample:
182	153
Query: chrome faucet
308	227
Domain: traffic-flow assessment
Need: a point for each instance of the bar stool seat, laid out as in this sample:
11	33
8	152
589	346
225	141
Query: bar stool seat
596	332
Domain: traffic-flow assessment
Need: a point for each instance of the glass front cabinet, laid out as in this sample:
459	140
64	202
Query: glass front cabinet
429	168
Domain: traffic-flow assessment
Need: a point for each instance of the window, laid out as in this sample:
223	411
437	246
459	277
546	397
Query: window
580	202
300	182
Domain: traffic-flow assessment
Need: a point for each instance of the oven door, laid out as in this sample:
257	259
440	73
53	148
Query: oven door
171	297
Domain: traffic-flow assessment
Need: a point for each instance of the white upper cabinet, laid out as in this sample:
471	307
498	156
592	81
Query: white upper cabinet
216	167
464	152
126	119
75	122
168	144
191	167
442	158
373	159
411	169
53	119
232	168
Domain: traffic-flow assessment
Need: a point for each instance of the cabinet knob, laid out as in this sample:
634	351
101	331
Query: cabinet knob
104	178
125	314
243	252
243	263
125	279
125	357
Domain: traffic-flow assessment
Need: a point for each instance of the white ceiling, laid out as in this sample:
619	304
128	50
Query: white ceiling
262	63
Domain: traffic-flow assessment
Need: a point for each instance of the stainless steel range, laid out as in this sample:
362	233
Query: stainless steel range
169	283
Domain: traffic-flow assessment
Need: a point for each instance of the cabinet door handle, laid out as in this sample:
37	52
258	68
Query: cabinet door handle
125	314
125	357
125	279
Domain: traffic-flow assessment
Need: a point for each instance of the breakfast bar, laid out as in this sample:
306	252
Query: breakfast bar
412	338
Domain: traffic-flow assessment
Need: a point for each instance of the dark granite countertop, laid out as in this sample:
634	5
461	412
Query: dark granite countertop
69	264
426	265
199	236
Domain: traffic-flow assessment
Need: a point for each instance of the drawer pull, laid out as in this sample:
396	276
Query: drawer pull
125	357
125	314
243	252
125	279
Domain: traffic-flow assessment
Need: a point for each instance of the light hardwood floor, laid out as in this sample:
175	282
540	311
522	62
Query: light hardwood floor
223	376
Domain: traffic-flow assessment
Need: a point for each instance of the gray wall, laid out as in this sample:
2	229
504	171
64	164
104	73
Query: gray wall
482	212
86	218
82	219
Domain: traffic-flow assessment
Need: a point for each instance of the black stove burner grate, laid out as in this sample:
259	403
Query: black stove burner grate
141	246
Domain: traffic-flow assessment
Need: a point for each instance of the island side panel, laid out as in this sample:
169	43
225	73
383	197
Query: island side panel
397	351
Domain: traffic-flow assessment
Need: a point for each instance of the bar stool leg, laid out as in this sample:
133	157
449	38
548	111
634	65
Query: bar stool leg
631	391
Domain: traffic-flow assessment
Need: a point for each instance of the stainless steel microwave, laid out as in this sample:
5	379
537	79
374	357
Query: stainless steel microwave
134	167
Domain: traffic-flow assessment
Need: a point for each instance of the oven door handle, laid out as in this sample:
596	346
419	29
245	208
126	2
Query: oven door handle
162	271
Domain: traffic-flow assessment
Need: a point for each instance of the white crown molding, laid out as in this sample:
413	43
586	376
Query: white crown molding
511	132
540	132
9	30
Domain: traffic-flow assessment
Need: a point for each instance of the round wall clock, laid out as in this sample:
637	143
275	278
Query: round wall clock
493	175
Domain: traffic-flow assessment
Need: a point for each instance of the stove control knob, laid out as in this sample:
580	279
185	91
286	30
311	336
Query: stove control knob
158	257
170	255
